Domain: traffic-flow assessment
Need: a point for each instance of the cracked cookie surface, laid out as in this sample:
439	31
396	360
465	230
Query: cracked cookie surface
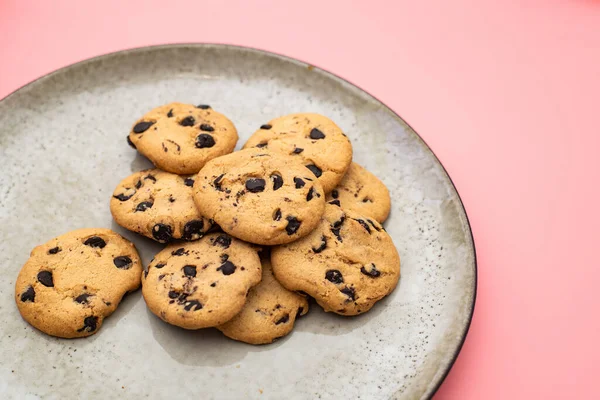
347	263
269	313
313	139
181	138
203	283
71	283
158	205
259	196
362	192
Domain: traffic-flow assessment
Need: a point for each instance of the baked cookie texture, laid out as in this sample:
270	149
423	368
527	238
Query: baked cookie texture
203	283
269	313
362	192
260	196
347	264
158	205
71	283
181	138
314	140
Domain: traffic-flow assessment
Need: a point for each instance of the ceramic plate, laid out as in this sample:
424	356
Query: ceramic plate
63	151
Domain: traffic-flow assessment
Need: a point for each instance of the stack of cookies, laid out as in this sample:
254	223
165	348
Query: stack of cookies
252	234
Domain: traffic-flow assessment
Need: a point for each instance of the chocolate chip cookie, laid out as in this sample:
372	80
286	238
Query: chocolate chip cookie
260	196
314	140
347	264
203	283
269	313
71	283
181	138
158	205
362	192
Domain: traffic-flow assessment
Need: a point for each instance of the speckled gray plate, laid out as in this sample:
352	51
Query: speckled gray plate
63	150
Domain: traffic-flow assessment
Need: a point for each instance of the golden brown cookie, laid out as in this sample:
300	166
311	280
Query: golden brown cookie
269	313
158	205
347	264
260	196
314	140
362	192
71	283
181	138
203	283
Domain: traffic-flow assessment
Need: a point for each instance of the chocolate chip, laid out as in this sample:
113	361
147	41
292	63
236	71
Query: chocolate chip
170	113
54	250
261	145
316	134
378	229
277	181
189	270
217	182
335	203
129	142
283	319
138	184
312	192
335	194
315	170
192	304
277	215
187	121
188	182
213	284
203	106
143	206
337	225
266	126
142	127
122	262
193	230
171	199
150	177
223	241
298	150
159	265
206	128
162	233
322	246
373	272
95	241
173	294
255	185
224	257
45	278
161	277
293	225
89	324
227	268
123	196
179	252
363	224
334	276
299	182
82	298
28	295
348	291
367	200
204	140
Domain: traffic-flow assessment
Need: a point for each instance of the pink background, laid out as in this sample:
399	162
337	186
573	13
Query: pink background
506	94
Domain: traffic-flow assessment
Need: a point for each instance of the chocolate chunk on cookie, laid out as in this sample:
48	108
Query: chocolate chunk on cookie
204	285
255	195
158	205
71	283
344	266
181	138
362	192
269	313
314	140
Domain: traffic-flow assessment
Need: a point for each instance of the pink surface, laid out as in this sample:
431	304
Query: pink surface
507	95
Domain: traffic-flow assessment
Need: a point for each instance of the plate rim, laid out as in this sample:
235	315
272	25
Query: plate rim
436	384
